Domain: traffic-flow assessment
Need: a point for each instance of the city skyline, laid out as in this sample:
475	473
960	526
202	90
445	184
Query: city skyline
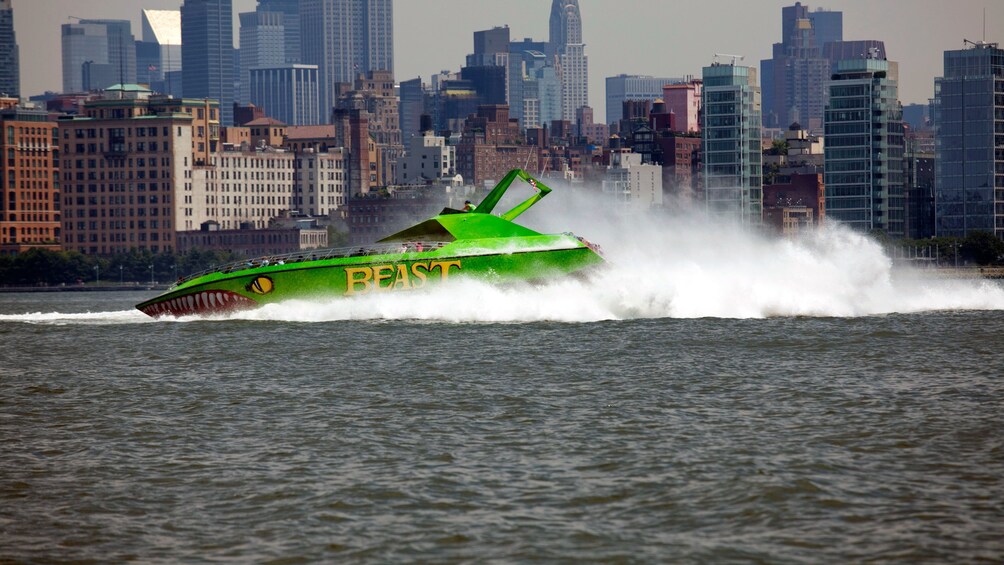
626	45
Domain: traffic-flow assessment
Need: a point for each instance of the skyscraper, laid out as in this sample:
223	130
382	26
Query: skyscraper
10	60
288	93
98	54
970	142
730	140
795	77
290	10
263	45
346	38
864	147
567	50
207	53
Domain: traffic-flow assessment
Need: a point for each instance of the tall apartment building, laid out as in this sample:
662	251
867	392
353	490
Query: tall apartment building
98	54
288	93
970	142
864	147
207	53
29	181
345	38
10	59
159	51
134	170
730	142
633	87
567	49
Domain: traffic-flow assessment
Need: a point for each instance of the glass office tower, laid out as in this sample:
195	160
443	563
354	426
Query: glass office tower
864	147
969	142
207	53
730	141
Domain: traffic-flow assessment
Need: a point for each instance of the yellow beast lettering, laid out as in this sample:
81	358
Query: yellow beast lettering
379	276
351	280
444	267
386	278
420	270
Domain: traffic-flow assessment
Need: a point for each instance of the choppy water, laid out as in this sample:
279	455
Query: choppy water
805	412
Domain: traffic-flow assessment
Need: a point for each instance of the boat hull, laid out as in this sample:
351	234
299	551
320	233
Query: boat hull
496	261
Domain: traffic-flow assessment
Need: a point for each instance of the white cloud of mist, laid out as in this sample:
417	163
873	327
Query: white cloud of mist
676	267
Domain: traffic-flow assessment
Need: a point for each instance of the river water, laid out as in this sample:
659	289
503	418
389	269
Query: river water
769	402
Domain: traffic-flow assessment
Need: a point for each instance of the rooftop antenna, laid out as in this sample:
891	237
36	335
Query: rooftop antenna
735	58
121	69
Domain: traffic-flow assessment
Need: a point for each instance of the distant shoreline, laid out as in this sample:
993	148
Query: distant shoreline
85	288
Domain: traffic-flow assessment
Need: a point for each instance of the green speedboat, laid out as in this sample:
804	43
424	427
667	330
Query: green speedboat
456	243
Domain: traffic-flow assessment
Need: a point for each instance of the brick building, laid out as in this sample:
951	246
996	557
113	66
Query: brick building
794	205
492	144
29	181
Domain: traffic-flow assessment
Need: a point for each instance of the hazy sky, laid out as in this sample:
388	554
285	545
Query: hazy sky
651	37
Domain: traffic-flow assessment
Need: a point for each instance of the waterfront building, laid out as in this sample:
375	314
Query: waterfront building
345	38
29	181
207	52
10	59
633	87
569	53
730	143
97	54
159	51
288	93
134	170
970	141
864	147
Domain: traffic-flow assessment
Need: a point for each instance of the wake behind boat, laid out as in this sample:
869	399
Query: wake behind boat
455	243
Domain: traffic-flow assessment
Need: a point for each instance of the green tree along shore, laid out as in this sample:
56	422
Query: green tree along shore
978	248
38	267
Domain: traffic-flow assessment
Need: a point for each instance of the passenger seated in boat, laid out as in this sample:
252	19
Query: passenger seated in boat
468	206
